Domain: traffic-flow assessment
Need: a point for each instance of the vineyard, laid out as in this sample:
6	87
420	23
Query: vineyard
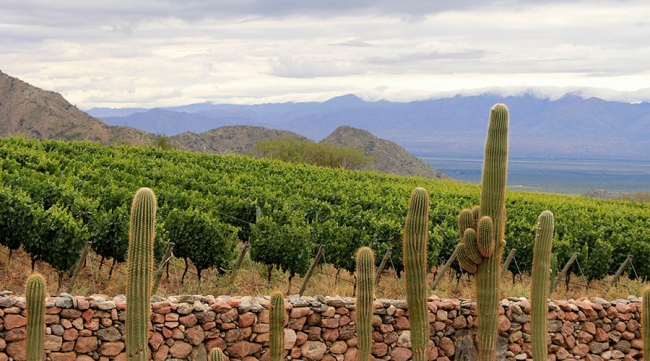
56	196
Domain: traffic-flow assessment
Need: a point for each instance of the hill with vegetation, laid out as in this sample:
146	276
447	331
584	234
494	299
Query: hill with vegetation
389	157
58	195
38	114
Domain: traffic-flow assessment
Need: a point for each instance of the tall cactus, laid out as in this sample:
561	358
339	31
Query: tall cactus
216	354
539	291
415	242
488	236
645	321
276	326
140	271
35	297
364	306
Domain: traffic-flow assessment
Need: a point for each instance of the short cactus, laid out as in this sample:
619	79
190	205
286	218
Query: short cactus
216	354
539	291
554	267
140	272
415	242
276	326
487	238
35	297
364	305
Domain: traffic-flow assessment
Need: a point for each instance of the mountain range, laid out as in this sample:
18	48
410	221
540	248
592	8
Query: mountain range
568	127
34	113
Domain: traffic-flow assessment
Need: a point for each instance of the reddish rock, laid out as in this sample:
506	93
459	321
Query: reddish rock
63	356
243	348
161	353
86	344
402	323
188	321
238	334
195	335
379	349
313	350
299	312
230	316
180	349
296	353
111	349
161	307
53	342
313	319
17	350
447	345
301	338
351	354
401	354
246	320
155	340
504	323
12	321
580	350
16	334
215	342
433	352
87	314
220	306
601	335
567	328
297	324
338	347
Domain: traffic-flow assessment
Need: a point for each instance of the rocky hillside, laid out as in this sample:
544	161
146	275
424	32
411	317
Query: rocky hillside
389	157
38	114
239	139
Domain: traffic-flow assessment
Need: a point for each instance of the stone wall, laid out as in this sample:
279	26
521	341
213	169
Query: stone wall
319	328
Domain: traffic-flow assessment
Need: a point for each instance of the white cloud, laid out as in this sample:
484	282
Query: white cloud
159	53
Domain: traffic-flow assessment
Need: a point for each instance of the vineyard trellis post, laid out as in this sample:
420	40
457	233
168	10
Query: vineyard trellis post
443	270
382	265
311	269
564	270
505	265
165	260
620	271
80	264
240	260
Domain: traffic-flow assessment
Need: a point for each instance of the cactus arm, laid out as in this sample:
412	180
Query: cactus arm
415	265
216	354
645	319
140	271
364	305
276	326
539	291
35	297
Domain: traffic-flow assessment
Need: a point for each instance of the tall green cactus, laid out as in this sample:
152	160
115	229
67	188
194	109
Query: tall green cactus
35	297
216	354
364	306
539	291
415	242
488	239
140	271
276	326
645	320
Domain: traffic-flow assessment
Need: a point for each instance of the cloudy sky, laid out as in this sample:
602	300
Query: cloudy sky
147	53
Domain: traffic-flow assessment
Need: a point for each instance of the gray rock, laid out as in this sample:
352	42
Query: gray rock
623	346
7	302
184	308
106	305
598	347
63	302
57	330
110	334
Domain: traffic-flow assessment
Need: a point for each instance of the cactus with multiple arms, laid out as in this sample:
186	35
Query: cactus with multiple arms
35	297
487	240
140	271
415	242
276	326
216	354
364	307
539	292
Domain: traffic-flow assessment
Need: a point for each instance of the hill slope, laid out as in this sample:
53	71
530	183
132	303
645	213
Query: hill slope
38	114
389	157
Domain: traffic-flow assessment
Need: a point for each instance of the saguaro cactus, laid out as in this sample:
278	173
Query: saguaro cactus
364	307
487	240
35	297
140	271
539	291
415	242
216	354
276	326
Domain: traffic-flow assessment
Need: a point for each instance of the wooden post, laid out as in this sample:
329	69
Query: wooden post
240	260
443	270
505	265
620	270
80	264
311	269
382	265
564	270
166	258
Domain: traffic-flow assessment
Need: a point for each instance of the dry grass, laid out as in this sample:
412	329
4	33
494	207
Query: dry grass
252	280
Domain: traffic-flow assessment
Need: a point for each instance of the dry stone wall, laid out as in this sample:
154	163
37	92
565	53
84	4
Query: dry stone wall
317	329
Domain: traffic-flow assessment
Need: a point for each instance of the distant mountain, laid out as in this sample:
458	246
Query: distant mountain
389	157
569	127
38	114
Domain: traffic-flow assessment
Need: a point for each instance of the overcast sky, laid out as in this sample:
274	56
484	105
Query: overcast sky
147	53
